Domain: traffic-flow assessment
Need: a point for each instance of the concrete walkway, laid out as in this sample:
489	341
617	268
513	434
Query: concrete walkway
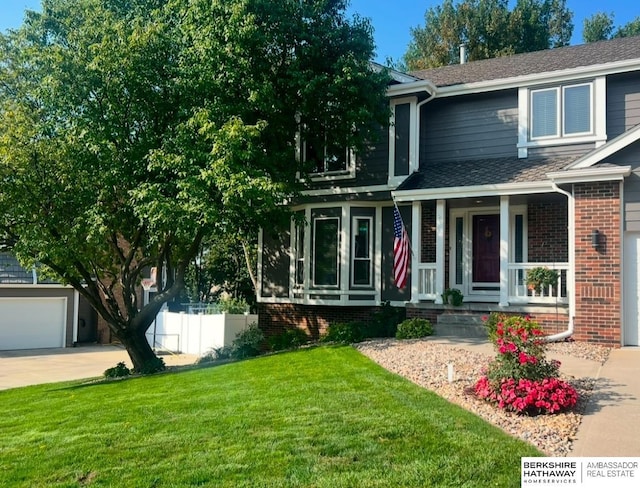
611	423
36	366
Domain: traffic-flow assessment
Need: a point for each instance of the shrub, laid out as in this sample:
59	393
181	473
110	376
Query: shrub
384	322
290	338
520	379
154	365
344	332
452	296
414	329
232	305
529	397
118	371
247	343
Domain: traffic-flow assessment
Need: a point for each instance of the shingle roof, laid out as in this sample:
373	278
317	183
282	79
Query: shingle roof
11	272
493	171
549	60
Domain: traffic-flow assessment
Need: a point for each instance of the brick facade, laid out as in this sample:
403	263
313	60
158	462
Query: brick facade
273	318
598	287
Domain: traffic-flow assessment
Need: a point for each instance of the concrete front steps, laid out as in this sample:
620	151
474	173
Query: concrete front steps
461	325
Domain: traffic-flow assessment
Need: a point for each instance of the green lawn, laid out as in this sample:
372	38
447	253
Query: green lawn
320	417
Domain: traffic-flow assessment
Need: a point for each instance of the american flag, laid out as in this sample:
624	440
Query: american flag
400	250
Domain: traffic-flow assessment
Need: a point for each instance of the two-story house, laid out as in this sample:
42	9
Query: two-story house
498	167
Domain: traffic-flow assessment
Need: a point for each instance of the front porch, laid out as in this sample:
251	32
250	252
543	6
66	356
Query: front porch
487	247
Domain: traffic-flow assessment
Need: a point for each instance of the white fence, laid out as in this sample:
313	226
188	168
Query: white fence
196	334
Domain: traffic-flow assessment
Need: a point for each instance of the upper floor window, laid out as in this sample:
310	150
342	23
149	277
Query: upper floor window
561	111
322	157
403	154
569	113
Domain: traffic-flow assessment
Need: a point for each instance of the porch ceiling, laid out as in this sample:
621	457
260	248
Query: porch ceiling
477	172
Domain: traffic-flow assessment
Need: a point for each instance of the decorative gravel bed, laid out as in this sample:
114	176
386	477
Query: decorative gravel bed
425	362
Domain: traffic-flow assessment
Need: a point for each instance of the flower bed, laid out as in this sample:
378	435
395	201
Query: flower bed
520	379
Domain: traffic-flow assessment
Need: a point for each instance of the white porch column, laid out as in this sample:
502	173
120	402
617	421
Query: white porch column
440	251
416	248
504	251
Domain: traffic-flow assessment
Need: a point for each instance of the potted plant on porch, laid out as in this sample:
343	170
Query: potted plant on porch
541	278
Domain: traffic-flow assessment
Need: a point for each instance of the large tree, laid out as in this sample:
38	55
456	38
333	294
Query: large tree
488	28
599	27
131	130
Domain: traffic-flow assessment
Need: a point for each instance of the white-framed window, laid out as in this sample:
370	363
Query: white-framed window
561	111
403	151
298	250
326	252
361	252
322	159
567	113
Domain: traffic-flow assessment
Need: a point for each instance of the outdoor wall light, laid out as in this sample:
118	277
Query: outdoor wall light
595	239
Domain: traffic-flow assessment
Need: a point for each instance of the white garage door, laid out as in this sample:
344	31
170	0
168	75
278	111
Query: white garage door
32	323
631	289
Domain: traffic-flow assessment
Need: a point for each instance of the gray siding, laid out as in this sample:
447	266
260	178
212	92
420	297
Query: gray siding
469	127
623	103
372	165
275	264
560	150
630	156
389	290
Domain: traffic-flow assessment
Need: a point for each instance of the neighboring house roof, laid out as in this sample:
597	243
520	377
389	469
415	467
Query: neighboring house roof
12	273
477	172
549	60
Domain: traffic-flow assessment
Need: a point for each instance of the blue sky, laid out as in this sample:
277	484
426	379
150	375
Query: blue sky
392	19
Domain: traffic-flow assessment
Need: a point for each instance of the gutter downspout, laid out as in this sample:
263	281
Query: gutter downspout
571	276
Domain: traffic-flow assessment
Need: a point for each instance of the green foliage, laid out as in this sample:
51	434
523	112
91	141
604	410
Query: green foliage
290	338
489	29
600	27
541	278
153	365
118	371
248	343
385	320
233	305
452	296
131	132
414	329
344	333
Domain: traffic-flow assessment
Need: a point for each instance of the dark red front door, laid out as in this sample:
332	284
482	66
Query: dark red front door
486	248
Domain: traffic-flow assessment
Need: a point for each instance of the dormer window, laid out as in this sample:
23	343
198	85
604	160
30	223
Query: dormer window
568	113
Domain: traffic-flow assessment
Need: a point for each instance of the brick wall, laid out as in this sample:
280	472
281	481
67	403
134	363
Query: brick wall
273	318
428	236
548	235
598	287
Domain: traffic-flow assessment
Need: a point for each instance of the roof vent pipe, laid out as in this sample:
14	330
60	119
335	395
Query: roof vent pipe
463	53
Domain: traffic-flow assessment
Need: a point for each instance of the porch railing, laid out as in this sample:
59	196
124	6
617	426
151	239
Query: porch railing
427	281
519	292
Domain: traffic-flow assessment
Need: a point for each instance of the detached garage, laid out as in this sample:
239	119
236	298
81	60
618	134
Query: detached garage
30	323
36	315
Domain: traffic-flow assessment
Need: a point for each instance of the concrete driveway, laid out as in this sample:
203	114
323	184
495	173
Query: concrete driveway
35	366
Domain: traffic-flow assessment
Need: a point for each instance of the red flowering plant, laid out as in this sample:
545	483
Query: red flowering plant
520	379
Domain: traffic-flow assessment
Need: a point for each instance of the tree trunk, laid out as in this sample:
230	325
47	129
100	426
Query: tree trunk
142	356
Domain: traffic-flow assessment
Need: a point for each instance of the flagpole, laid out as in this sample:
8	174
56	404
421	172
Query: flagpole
402	220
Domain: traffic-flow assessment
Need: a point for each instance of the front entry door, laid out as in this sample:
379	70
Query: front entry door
486	251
